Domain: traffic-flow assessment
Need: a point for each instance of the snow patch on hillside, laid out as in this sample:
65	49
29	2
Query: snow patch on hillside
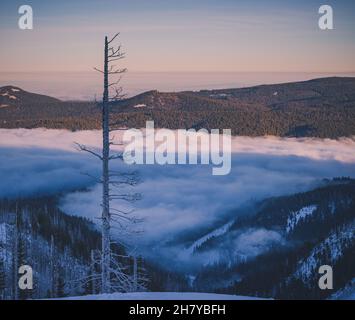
2	233
216	233
333	246
347	293
296	217
6	94
141	105
5	256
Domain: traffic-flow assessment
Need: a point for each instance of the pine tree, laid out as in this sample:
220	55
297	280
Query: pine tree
60	289
2	278
22	294
15	255
53	269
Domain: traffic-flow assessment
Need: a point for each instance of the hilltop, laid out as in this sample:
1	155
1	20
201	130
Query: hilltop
317	108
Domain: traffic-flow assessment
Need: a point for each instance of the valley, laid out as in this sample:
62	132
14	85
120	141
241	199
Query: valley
286	207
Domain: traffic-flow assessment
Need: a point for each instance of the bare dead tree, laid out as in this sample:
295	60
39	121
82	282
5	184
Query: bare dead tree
112	93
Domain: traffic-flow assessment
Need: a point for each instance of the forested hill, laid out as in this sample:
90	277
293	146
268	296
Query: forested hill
62	250
289	238
317	108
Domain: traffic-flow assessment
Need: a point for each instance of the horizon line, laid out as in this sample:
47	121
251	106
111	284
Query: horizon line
178	71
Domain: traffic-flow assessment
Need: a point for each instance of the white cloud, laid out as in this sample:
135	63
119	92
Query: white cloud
176	199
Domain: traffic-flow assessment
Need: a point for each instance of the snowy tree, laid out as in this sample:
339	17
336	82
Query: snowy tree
2	277
15	256
113	276
56	280
139	273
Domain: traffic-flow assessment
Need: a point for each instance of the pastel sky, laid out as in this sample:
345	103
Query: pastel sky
180	35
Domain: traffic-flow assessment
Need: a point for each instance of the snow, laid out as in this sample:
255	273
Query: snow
219	95
141	105
15	90
6	94
347	293
296	217
334	245
162	296
3	238
2	233
216	233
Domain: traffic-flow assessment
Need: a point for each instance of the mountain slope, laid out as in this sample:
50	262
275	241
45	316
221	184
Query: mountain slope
317	108
260	255
60	249
55	245
253	255
16	97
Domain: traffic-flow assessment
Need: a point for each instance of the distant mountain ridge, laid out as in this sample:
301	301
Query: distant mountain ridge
317	108
12	96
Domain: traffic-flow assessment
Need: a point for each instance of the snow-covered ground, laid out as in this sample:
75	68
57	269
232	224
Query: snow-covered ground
297	216
333	245
347	293
162	296
141	105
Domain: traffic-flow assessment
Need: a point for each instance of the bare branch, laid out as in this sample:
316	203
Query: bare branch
115	59
126	197
117	144
121	211
116	82
97	180
117	71
120	180
114	173
118	94
98	70
123	217
114	37
82	147
116	156
118	129
116	54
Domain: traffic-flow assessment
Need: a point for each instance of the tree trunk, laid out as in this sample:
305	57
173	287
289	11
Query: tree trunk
106	250
52	267
93	272
135	274
15	257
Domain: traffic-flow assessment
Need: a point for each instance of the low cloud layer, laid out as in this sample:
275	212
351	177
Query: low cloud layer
176	199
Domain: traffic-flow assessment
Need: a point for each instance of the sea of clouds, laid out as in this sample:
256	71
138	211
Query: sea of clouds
177	199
